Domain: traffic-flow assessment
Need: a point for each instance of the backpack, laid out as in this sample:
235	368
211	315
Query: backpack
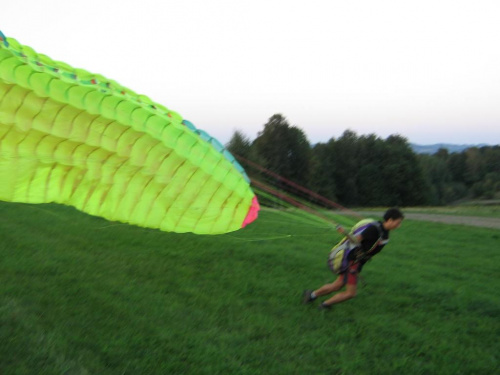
338	260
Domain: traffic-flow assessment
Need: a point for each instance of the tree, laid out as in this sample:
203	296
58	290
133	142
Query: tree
403	176
456	166
369	171
371	156
239	145
284	149
473	166
437	177
345	154
323	170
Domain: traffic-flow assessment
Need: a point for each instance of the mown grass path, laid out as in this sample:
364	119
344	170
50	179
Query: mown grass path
475	221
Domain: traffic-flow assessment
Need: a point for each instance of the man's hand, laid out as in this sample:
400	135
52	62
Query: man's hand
340	229
355	240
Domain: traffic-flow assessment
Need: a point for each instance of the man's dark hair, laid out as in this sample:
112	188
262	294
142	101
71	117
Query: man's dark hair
394	214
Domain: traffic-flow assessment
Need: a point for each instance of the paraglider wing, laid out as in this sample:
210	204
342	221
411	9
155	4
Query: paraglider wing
80	139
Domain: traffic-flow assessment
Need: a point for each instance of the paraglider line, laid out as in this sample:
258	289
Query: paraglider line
297	186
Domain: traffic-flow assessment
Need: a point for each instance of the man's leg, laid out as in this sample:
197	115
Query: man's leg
351	288
332	287
350	292
310	295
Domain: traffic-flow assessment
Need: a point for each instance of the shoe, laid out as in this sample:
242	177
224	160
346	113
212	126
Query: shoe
323	307
306	296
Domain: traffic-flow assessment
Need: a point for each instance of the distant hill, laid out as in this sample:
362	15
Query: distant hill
432	149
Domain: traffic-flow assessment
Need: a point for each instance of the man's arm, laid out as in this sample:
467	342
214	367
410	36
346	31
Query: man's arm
355	239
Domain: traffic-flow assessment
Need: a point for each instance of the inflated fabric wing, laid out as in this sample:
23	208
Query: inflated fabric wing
80	139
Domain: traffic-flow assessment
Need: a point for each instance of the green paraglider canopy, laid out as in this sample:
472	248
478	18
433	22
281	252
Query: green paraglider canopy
76	138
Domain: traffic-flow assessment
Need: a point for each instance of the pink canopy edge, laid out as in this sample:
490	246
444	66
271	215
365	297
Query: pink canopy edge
253	212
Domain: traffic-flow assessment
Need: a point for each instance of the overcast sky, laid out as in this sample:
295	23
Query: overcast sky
427	70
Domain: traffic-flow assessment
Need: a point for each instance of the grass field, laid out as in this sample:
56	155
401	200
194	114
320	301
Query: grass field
80	295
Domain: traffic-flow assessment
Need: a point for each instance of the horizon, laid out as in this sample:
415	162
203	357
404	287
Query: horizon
470	144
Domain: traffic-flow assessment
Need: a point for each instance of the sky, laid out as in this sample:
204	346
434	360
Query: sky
426	70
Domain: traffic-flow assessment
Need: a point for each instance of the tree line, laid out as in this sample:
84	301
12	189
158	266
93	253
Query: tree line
366	170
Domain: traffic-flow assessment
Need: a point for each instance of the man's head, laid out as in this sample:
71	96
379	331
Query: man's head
393	218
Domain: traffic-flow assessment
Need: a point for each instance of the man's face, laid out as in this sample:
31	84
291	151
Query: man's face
393	223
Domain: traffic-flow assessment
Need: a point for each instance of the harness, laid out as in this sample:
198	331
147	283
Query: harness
338	260
362	255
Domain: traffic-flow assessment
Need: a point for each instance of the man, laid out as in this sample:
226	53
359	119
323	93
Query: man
370	242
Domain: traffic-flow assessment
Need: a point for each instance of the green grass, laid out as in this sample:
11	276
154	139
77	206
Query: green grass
80	295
